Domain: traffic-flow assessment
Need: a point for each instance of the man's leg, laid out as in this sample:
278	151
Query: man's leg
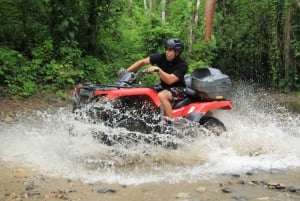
165	98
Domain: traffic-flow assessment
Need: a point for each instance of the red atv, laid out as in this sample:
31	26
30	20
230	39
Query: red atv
128	104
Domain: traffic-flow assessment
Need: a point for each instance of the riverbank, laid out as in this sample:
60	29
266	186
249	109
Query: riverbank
10	107
20	183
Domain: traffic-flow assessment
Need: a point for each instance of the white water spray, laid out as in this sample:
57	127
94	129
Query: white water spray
261	135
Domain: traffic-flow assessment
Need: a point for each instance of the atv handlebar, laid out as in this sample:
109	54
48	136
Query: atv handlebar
129	78
141	73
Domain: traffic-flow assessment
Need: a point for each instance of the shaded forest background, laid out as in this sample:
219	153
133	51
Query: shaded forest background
51	45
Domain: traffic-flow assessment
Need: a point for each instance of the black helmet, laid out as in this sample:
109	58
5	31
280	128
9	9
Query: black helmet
175	44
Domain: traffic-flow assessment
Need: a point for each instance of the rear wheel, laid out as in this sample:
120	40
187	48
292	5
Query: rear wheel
214	125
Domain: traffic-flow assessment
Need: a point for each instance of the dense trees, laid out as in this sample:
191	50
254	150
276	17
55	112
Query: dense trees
260	41
54	44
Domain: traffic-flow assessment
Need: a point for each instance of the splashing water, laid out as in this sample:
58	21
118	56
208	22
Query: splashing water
260	135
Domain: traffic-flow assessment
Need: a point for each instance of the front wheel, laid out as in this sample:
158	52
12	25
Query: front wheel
133	124
212	124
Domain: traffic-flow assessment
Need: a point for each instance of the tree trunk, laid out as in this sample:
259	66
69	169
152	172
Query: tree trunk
163	11
196	18
191	34
287	42
151	4
209	16
92	30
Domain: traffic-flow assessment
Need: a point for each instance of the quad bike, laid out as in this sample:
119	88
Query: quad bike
128	104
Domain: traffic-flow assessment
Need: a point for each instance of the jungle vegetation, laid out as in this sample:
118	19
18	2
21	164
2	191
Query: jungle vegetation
56	44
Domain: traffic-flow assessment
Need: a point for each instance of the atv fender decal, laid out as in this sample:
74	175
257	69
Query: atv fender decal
191	109
195	116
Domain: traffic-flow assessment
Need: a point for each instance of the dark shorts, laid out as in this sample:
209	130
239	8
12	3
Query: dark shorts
177	93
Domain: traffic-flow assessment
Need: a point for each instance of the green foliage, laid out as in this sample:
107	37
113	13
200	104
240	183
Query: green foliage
203	54
256	41
289	82
23	24
53	45
92	70
17	73
62	95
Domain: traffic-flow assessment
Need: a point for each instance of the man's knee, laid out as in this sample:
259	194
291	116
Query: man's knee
164	95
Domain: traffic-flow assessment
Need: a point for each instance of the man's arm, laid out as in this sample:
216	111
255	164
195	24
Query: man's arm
138	64
166	77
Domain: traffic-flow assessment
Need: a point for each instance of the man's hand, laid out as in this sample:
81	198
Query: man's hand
122	72
153	69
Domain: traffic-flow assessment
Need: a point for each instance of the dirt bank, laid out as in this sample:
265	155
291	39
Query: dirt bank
19	183
10	107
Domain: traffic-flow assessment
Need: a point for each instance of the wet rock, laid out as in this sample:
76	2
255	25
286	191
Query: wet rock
183	195
253	183
280	187
277	186
241	198
106	190
263	198
240	182
33	194
227	190
60	194
252	172
47	196
29	188
7	194
292	189
272	184
200	189
236	175
24	195
71	191
264	183
13	195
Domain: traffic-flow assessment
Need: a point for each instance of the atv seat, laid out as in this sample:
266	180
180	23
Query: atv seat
181	103
190	95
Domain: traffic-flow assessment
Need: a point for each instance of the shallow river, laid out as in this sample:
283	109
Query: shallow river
260	135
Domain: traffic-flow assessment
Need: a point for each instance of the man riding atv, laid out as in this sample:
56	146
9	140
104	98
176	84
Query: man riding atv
128	104
170	68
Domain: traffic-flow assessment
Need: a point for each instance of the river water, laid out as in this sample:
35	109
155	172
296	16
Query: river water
261	135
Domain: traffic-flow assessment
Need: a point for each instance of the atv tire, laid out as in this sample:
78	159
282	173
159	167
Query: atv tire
132	124
212	124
